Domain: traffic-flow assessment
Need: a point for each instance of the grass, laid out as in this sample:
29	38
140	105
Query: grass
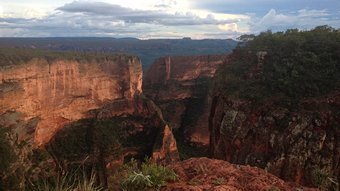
148	176
71	182
218	181
194	182
324	180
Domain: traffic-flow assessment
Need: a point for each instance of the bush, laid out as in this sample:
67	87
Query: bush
137	181
7	154
15	163
149	175
324	180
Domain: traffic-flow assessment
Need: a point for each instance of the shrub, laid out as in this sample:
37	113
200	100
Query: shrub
149	175
7	155
137	181
15	163
324	180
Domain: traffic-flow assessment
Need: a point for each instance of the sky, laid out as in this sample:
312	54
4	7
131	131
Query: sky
150	19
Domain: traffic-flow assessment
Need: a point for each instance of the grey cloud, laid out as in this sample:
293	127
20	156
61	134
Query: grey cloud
129	15
66	24
166	4
99	8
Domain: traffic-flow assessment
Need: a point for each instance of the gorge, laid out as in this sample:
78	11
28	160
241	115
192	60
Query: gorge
272	104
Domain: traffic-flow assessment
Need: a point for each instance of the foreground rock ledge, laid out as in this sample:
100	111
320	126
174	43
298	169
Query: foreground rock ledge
198	174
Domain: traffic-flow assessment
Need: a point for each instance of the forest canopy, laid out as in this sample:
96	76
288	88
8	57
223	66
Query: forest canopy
297	64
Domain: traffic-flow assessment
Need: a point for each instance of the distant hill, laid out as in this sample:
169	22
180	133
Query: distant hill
147	50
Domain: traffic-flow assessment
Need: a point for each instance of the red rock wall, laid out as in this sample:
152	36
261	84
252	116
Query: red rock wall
41	98
64	91
183	68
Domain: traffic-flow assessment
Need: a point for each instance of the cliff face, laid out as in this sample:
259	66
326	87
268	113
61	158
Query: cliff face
179	85
294	145
42	97
294	138
63	91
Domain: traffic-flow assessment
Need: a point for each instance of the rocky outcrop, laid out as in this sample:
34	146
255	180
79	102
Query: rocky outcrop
179	85
209	174
43	96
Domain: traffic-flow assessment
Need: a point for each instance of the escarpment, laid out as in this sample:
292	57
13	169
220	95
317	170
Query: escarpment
279	111
180	86
46	96
294	145
62	91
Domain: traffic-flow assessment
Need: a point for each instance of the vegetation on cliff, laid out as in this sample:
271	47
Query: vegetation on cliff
297	64
76	159
17	161
17	56
276	106
145	176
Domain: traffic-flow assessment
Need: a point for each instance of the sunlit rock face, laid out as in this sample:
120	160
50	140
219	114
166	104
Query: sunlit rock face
62	91
88	111
180	86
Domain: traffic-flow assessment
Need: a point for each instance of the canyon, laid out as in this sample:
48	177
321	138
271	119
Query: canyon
265	106
71	107
261	116
42	96
180	86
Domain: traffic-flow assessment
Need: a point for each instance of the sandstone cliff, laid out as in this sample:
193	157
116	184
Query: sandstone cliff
41	95
62	91
179	85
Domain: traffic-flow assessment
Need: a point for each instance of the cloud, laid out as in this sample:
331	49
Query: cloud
229	27
165	18
99	8
129	15
85	18
302	19
166	4
313	13
260	7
